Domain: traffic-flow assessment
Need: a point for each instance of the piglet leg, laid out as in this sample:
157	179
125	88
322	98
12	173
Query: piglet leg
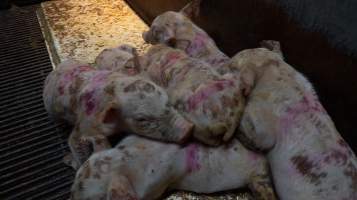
70	161
262	187
99	143
82	147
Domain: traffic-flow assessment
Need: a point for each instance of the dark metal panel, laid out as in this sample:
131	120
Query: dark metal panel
31	145
148	10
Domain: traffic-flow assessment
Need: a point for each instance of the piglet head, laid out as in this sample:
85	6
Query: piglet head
159	35
123	59
144	110
163	28
96	180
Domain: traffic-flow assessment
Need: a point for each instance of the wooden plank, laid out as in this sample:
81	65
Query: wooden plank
80	29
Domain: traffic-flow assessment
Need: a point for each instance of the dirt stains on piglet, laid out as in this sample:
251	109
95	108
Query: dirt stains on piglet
130	88
351	172
107	158
120	193
121	147
149	88
87	171
110	89
336	157
101	167
308	169
344	146
140	85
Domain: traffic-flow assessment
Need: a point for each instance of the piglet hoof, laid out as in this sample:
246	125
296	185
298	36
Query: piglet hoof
262	188
69	161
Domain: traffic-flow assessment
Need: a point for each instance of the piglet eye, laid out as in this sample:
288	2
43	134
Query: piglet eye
156	32
171	42
140	119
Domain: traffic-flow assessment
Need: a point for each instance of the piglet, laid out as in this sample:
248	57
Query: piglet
284	118
101	103
210	101
138	168
175	29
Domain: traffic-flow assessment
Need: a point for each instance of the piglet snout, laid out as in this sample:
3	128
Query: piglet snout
145	36
218	130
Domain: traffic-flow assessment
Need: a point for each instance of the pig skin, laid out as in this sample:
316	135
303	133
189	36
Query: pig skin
284	118
139	168
212	102
100	103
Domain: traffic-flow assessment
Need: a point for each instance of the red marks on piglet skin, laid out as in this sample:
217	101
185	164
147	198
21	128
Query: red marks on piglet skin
197	44
69	77
91	97
204	93
170	59
308	104
89	101
192	158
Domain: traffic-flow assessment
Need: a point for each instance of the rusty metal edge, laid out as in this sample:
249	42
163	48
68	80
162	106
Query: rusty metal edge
55	60
139	12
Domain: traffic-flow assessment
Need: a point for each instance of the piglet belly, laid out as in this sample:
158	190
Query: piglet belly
217	169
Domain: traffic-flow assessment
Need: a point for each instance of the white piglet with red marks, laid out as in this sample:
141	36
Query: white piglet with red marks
283	117
139	168
101	103
212	102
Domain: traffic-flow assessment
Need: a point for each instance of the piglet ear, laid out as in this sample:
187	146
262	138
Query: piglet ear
120	188
146	35
111	114
109	122
192	9
247	81
273	46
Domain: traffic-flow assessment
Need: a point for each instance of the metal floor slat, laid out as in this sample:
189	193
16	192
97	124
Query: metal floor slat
32	146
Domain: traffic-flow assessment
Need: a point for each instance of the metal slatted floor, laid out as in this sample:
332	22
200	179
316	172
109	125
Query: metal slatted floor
31	145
